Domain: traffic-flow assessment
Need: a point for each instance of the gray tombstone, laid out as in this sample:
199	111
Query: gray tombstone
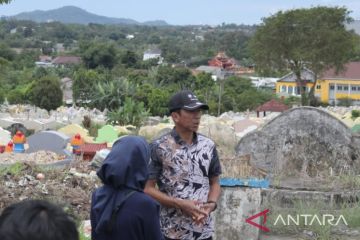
5	136
301	147
49	141
6	123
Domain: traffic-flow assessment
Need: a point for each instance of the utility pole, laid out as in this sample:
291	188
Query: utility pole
220	95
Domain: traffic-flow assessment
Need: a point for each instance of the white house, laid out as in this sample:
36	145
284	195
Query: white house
66	86
43	64
130	36
217	73
151	54
264	82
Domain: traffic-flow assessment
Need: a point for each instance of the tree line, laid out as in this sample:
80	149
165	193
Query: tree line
114	76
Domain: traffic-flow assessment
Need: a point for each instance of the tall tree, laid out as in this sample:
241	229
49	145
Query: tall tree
180	77
5	1
313	38
203	85
46	93
240	95
98	55
84	85
6	52
129	59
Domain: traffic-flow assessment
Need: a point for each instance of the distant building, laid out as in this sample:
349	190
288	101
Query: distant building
199	37
286	86
230	64
44	61
264	82
66	87
222	61
59	47
43	64
45	58
60	61
130	36
331	87
153	54
217	73
66	60
271	106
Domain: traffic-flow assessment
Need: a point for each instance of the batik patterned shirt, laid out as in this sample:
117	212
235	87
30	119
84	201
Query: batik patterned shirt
183	171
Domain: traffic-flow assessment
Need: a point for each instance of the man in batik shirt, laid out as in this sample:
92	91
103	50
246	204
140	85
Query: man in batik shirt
186	168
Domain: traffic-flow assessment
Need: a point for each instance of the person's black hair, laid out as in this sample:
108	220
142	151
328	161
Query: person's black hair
36	220
176	111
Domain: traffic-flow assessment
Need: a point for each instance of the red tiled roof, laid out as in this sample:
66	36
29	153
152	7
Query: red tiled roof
223	61
351	71
272	106
67	60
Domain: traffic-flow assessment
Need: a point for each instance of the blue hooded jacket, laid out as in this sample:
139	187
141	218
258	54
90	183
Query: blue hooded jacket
124	174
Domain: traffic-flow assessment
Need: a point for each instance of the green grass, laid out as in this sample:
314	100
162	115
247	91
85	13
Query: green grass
13	169
350	211
314	208
82	236
349	181
93	130
355	114
81	233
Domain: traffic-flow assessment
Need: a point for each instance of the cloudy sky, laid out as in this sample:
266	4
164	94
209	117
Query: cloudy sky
181	12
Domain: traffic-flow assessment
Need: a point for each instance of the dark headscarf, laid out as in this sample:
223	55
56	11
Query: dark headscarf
123	170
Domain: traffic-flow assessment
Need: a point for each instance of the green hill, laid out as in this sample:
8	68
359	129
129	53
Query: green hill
71	14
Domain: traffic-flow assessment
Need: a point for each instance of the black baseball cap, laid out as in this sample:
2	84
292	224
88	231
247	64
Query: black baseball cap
186	100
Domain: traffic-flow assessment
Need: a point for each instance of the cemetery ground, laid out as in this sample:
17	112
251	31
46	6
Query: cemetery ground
321	168
68	186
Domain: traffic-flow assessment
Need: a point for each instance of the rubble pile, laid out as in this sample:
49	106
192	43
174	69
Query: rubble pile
69	187
40	157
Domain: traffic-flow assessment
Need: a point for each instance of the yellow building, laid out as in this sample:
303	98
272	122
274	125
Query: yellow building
286	86
330	87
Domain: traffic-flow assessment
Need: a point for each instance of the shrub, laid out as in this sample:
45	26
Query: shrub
355	114
345	102
86	122
131	112
46	93
15	96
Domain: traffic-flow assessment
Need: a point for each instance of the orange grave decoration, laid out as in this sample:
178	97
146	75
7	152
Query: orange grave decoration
76	142
19	139
2	148
9	147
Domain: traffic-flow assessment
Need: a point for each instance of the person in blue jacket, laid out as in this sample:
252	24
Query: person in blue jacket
120	209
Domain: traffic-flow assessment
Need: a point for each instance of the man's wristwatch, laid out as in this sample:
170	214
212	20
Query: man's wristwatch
215	206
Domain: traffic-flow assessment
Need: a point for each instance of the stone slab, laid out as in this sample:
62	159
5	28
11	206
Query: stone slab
234	206
49	141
